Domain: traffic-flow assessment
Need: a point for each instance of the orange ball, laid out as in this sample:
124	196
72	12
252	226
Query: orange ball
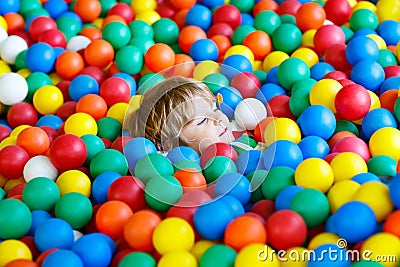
180	17
310	16
259	43
138	230
22	263
111	218
388	99
191	179
159	57
258	132
223	43
34	140
92	33
391	225
69	64
244	230
113	18
188	35
339	136
87	10
15	22
184	66
181	4
264	5
99	53
93	105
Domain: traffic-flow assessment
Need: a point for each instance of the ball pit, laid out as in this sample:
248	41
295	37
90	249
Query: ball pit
310	86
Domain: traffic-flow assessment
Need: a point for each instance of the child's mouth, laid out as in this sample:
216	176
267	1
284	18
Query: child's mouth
223	132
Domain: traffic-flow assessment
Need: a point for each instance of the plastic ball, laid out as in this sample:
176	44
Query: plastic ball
141	259
42	141
75	208
50	228
12	161
324	92
200	16
347	107
165	31
253	107
108	160
352	144
14	212
188	35
314	147
93	105
80	124
287	38
74	181
129	190
233	184
39	166
310	16
384	245
178	258
354	163
368	73
136	148
363	19
389	31
259	43
101	185
341	193
234	64
41	194
159	57
257	255
152	165
66	256
69	64
100	253
282	153
19	85
14	250
87	10
11	47
297	69
249	161
99	53
338	11
111	218
340	251
228	14
322	173
115	90
47	99
384	142
203	49
231	98
127	55
109	128
162	192
326	36
361	48
218	254
389	225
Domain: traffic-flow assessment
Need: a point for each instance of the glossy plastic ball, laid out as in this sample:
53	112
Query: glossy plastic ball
50	228
326	36
19	85
345	103
14	212
324	116
12	161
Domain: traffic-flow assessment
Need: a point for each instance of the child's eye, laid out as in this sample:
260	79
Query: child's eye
202	121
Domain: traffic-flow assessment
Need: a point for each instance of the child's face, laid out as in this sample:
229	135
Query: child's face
208	125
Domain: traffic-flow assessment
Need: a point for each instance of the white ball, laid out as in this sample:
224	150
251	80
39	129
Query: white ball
39	166
3	34
249	112
77	235
11	47
77	43
13	88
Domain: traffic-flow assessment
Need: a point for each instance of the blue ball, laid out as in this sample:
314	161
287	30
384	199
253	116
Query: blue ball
282	153
329	255
249	161
51	120
376	119
247	19
317	120
329	225
231	97
365	177
54	233
389	30
390	84
38	217
213	3
368	73
314	147
284	197
355	221
221	216
272	75
360	48
235	64
40	57
319	70
93	249
129	80
234	204
64	256
233	184
56	7
101	185
394	191
7	6
183	153
82	85
137	148
200	16
364	31
204	49
268	91
58	51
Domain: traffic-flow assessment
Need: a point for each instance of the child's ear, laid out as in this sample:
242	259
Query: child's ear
167	145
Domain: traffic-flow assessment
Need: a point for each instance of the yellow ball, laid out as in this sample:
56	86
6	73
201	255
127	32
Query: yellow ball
117	111
11	183
308	38
178	259
200	247
240	50
98	22
398	51
143	5
383	248
385	141
352	3
295	257
3	23
134	103
173	234
378	40
15	132
258	65
4	67
364	5
8	141
273	59
74	181
322	239
55	78
346	165
321	178
282	129
24	72
257	255
341	193
205	68
149	16
307	55
3	181
324	92
80	124
376	196
13	250
388	10
47	99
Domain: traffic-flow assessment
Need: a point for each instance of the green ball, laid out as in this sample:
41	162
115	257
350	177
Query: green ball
299	101
69	26
93	144
261	75
386	58
108	160
287	18
165	31
382	166
256	179
129	59
267	21
41	194
240	33
141	28
28	5
137	259
20	60
312	205
218	166
162	192
345	125
106	5
148	80
176	48
363	19
366	263
3	193
348	33
277	179
292	70
244	6
153	165
15	219
36	80
218	255
215	81
142	42
109	128
303	83
75	208
117	34
287	38
186	164
36	12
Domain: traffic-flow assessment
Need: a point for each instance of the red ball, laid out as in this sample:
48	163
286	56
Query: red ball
352	102
53	37
129	190
228	14
64	87
221	28
40	25
345	82
51	132
68	152
22	114
289	7
326	36
166	10
66	110
391	71
264	207
4	132
352	144
330	157
197	197
12	161
115	90
286	229
339	136
123	10
278	107
16	191
217	149
184	210
24	35
338	11
246	83
95	72
336	56
336	75
120	142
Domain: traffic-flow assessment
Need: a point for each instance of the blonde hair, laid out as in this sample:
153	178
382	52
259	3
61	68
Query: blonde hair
164	109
